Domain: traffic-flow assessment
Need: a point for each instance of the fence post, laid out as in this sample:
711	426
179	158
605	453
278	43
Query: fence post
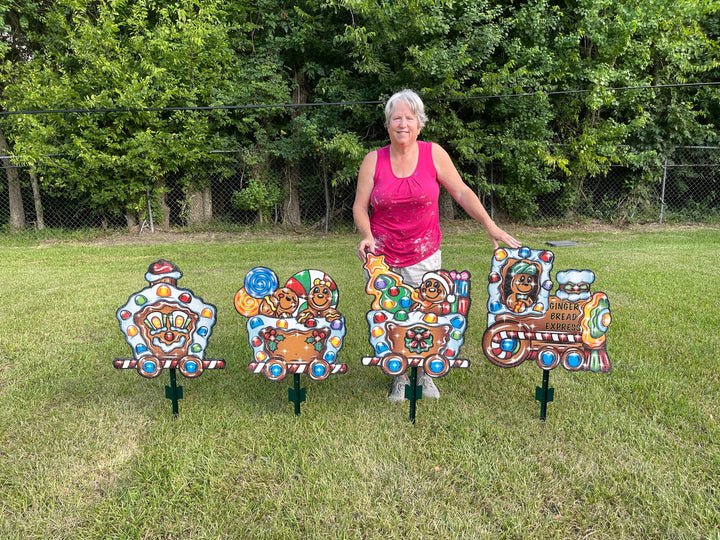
150	216
662	196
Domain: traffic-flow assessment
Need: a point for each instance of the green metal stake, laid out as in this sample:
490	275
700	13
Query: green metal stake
413	392
544	395
174	392
296	394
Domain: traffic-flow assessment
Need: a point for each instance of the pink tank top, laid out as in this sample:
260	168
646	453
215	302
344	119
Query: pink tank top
405	218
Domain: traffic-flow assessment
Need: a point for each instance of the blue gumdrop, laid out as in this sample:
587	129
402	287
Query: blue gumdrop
436	366
203	331
547	358
524	252
405	302
394	365
495	306
275	370
150	367
574	360
191	367
319	370
141	349
381	348
329	357
255	322
457	322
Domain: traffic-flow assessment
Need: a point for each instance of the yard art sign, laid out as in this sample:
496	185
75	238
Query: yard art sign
526	322
420	327
167	328
295	328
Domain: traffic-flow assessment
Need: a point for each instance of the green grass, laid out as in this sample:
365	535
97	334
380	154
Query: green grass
87	451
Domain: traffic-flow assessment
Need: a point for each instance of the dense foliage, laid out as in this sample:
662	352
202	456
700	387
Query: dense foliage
593	84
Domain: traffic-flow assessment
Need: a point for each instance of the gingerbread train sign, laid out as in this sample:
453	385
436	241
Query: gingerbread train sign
293	329
416	328
526	322
167	327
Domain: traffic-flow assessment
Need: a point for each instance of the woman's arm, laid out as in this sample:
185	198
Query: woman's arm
449	177
361	206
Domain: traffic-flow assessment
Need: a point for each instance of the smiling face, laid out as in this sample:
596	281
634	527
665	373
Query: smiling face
287	300
320	296
432	290
403	125
523	283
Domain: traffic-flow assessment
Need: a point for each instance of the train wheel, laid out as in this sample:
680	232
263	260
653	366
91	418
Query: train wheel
319	370
573	359
394	364
275	370
436	366
547	358
191	367
149	367
503	345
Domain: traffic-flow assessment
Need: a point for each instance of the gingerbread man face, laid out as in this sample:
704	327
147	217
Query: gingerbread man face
287	301
524	284
433	291
320	296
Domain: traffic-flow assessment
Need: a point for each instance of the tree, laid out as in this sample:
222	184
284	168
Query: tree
135	56
19	20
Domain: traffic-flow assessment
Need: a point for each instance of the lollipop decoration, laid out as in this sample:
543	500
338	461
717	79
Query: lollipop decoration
416	328
526	322
167	328
293	329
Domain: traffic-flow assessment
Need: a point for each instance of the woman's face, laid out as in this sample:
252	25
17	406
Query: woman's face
403	125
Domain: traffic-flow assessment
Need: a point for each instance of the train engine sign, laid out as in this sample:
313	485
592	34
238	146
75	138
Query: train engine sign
295	328
167	327
421	327
527	322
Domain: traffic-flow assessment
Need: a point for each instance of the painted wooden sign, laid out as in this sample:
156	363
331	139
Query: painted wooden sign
295	328
527	322
417	328
167	327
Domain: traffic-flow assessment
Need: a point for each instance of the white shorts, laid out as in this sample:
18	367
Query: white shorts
412	275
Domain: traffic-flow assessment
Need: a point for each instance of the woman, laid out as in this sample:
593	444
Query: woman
401	183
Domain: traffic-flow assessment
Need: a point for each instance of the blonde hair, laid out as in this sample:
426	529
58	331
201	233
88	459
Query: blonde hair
412	100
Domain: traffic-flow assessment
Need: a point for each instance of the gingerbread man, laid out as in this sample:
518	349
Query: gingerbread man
319	303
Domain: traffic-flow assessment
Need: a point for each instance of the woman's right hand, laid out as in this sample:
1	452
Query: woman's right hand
366	245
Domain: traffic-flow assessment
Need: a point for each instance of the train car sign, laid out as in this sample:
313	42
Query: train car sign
293	329
167	327
527	322
414	328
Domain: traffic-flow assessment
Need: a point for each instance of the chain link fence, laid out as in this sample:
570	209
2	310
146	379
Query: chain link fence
685	187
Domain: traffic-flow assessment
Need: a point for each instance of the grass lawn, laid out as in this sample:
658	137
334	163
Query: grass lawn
88	451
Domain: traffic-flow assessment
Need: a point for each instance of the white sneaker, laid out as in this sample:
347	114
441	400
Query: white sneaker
429	390
397	392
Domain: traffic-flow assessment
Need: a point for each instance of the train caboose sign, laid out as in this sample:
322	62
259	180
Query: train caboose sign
167	327
526	322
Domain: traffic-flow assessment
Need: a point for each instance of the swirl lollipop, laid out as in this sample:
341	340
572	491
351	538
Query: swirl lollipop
245	304
260	282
